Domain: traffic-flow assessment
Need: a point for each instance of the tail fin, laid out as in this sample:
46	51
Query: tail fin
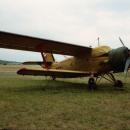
49	57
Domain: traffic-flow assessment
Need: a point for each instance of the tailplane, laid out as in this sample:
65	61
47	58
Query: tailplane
49	57
48	60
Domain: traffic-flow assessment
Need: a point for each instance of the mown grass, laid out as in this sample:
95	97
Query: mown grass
36	103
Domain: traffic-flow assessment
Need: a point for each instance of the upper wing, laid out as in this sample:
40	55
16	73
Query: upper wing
20	42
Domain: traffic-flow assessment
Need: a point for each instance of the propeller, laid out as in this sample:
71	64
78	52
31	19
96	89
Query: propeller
127	64
121	41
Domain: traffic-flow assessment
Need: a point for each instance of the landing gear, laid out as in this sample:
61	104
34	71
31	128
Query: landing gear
53	78
110	77
92	84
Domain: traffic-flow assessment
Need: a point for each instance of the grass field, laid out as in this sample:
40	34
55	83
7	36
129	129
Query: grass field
36	103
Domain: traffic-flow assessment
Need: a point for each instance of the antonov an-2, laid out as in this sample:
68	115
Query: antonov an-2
96	63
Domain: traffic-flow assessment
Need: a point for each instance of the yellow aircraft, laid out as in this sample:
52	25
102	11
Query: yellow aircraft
96	63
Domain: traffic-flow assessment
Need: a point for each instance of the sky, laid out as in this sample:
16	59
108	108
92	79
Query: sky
78	22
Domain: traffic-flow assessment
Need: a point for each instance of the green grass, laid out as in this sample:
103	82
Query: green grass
36	103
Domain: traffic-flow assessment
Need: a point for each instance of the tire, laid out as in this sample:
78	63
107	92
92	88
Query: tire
118	84
91	84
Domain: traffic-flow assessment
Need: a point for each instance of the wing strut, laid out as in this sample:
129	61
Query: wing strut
45	63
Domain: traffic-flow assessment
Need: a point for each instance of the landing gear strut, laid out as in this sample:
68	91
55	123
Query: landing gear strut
110	77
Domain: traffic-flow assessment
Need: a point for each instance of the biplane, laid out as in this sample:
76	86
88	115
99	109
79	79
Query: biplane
95	63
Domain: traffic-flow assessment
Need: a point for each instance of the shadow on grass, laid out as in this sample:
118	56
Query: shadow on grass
66	86
53	86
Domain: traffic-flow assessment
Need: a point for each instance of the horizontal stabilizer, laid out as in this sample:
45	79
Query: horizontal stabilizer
35	63
55	73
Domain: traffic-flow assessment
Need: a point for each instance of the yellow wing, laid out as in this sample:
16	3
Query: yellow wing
20	42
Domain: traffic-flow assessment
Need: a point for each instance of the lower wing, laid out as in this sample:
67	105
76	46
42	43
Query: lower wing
53	73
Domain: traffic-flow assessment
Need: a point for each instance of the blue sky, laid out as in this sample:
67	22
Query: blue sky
73	21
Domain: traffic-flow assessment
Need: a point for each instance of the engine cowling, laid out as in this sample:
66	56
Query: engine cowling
118	57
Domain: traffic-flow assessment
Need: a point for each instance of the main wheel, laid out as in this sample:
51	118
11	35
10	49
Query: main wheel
91	84
118	84
53	78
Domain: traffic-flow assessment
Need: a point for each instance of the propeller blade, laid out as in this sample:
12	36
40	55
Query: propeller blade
126	69
127	66
121	41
